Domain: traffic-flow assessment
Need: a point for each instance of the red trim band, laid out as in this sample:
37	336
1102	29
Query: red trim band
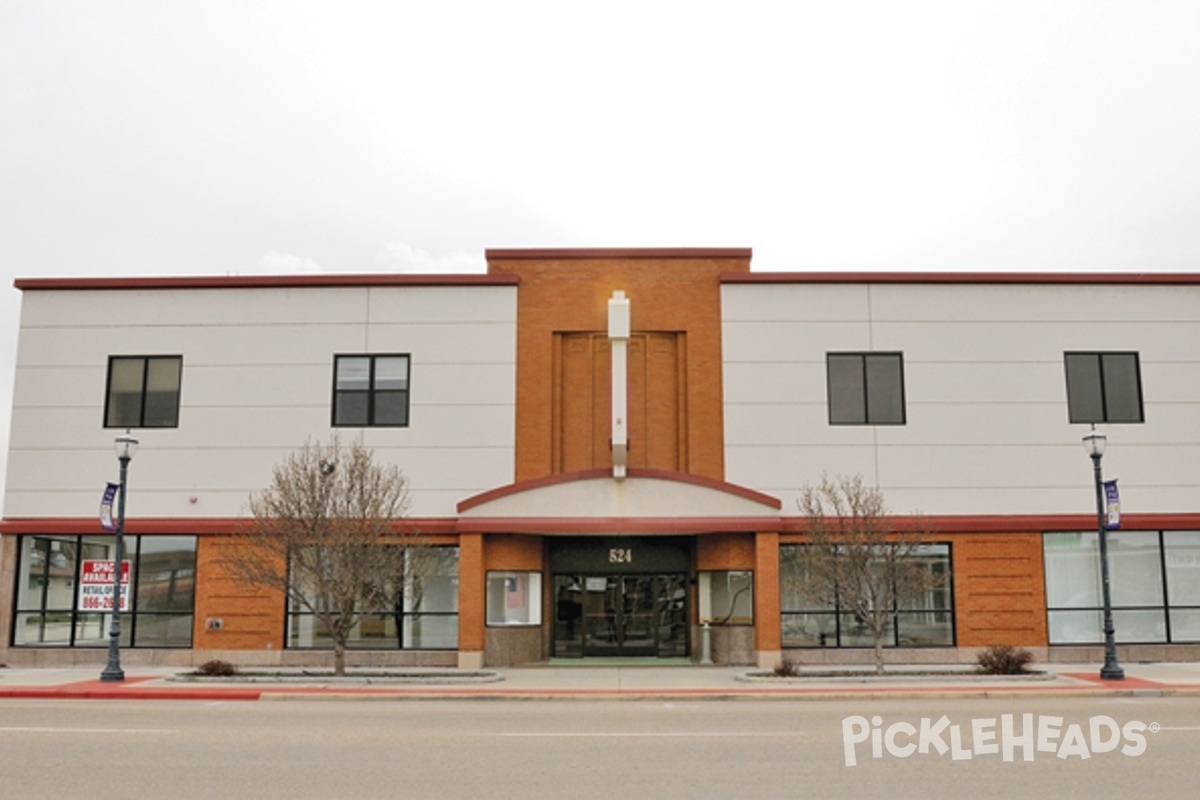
446	526
200	526
567	253
267	281
1098	278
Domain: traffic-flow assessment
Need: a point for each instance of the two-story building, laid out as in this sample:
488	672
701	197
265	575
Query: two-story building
610	446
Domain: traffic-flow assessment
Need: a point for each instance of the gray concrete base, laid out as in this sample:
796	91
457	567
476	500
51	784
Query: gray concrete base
470	660
730	650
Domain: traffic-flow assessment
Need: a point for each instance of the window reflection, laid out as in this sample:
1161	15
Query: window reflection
925	620
1153	577
162	586
426	616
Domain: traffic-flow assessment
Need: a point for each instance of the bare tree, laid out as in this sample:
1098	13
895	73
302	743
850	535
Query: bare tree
327	533
859	559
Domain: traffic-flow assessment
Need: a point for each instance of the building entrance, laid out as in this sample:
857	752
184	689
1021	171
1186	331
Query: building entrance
623	596
620	616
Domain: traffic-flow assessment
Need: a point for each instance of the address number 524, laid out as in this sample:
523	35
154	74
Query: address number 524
620	555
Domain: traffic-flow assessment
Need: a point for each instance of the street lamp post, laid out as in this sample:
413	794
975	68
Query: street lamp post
1094	443
126	446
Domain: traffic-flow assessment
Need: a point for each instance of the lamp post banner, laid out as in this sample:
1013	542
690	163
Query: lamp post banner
1112	505
106	507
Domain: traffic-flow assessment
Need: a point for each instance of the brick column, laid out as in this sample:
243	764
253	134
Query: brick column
472	638
767	633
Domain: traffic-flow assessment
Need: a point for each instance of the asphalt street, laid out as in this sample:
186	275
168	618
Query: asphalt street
1061	747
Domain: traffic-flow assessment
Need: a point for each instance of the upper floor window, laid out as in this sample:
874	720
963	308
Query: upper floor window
1104	387
370	390
865	388
143	392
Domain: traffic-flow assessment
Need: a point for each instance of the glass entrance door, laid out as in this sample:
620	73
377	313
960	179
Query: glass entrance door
618	619
621	616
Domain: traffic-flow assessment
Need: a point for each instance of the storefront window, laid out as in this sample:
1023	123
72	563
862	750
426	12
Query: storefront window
925	620
727	597
1153	577
53	610
166	591
425	616
514	598
430	618
1181	553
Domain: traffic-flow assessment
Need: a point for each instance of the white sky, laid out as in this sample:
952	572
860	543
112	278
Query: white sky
154	138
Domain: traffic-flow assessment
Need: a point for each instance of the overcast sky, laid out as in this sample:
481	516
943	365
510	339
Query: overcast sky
173	138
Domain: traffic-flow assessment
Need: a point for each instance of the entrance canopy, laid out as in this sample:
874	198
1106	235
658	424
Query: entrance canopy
646	501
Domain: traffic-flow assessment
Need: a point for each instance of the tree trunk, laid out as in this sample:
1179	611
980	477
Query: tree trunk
339	657
878	653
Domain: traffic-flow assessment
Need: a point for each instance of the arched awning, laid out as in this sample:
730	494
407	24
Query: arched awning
644	502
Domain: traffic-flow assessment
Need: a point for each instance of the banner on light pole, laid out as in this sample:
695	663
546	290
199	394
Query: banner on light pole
106	507
1112	505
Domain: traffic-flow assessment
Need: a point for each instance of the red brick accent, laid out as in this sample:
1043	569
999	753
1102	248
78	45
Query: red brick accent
513	553
767	634
674	291
725	551
999	589
471	594
253	619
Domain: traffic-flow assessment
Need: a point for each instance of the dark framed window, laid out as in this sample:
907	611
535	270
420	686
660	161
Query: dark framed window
1154	586
865	388
1104	387
143	392
424	618
55	598
925	620
370	390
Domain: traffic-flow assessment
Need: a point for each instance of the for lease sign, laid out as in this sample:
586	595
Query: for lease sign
96	586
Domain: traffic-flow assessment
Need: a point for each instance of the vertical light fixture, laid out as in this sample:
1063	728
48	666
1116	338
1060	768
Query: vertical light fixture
618	337
126	446
1095	443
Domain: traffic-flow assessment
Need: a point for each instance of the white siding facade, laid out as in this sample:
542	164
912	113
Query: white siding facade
257	383
987	428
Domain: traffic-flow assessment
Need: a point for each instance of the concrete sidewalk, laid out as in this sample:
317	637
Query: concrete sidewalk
599	682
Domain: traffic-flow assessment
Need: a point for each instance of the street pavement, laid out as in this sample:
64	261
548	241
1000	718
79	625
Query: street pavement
600	682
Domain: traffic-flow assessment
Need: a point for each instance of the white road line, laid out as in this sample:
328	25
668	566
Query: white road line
86	730
630	735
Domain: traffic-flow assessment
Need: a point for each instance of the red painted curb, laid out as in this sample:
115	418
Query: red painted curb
1126	683
128	689
118	693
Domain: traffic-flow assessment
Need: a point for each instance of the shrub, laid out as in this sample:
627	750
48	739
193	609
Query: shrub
787	669
216	667
1004	660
